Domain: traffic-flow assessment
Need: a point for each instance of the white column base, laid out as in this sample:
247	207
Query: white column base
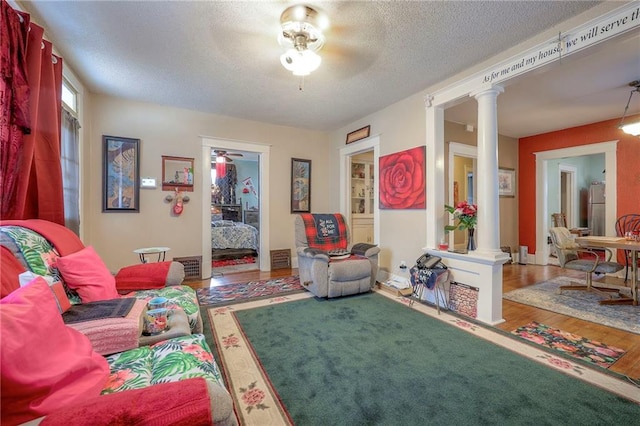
482	270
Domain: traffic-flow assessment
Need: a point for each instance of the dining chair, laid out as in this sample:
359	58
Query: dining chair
627	223
567	251
559	220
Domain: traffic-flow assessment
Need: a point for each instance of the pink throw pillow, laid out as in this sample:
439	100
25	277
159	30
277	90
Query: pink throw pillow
84	272
61	296
44	364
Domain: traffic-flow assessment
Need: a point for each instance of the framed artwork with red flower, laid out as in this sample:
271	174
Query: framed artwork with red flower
402	179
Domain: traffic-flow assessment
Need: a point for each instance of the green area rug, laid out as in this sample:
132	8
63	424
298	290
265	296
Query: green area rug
579	347
369	359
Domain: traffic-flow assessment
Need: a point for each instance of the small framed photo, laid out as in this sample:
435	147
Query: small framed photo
506	182
356	135
300	185
120	174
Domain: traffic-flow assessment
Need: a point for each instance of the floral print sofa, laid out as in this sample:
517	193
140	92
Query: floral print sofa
69	380
37	244
145	370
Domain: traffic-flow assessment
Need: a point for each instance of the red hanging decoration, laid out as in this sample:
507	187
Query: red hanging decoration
221	169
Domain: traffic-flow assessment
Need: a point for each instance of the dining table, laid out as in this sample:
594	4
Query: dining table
619	243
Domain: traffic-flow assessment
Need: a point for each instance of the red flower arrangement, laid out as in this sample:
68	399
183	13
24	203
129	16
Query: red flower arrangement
467	215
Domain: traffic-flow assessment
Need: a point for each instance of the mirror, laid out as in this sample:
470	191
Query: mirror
177	173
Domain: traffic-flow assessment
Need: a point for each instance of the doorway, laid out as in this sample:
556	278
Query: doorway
247	206
462	185
545	162
235	212
361	193
568	194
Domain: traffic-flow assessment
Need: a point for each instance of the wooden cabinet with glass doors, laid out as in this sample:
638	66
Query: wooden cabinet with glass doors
362	196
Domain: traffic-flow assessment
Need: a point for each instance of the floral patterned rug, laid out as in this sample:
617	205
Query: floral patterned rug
231	293
230	262
578	304
571	344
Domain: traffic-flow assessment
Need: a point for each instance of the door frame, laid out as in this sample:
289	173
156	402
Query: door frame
571	194
457	149
365	145
543	217
263	152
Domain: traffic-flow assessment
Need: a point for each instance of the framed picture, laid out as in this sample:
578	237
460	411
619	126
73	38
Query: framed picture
402	180
356	135
300	185
506	182
120	174
177	173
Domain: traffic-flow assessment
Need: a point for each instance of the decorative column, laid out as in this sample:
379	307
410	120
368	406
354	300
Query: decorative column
488	205
436	216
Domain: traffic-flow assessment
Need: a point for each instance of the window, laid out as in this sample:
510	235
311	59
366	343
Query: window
70	162
69	96
70	156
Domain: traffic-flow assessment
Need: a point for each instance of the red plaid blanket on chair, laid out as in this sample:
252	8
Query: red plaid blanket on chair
325	231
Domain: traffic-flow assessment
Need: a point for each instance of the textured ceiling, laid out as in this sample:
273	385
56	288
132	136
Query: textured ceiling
223	57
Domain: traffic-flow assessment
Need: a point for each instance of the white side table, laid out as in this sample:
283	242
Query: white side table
160	251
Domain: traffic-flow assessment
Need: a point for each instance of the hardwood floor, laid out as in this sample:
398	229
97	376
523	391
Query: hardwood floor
515	314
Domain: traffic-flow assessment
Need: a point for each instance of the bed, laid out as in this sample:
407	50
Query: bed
228	237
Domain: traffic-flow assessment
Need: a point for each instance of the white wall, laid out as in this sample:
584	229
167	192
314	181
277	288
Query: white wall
172	131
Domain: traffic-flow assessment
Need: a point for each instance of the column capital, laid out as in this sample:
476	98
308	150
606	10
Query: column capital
495	90
428	100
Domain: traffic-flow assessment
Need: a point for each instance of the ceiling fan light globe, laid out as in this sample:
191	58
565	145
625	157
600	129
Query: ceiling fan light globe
287	59
300	62
631	128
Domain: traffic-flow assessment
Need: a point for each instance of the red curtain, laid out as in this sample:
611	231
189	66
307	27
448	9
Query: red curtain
31	175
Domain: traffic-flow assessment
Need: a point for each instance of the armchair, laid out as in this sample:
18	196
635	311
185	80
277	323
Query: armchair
567	251
328	265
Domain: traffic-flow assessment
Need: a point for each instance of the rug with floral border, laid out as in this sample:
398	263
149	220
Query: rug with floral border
579	347
232	293
257	402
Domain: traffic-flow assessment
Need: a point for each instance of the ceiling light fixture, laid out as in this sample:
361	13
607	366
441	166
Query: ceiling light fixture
631	128
301	34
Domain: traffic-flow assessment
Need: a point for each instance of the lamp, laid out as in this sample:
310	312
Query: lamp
631	128
301	35
221	166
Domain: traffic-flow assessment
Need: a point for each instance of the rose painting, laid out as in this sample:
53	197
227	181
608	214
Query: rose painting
402	180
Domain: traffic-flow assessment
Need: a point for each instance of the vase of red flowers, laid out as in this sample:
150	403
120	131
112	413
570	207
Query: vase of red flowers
467	216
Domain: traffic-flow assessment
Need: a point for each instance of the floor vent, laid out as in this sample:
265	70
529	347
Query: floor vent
281	259
192	267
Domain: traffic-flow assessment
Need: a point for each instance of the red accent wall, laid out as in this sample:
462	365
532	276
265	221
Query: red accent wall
628	165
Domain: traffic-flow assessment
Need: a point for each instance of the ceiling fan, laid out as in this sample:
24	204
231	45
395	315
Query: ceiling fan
224	155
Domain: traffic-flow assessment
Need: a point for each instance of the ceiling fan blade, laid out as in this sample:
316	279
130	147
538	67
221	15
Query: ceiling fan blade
235	154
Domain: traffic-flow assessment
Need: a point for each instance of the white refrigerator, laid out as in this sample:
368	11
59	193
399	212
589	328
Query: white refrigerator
596	208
